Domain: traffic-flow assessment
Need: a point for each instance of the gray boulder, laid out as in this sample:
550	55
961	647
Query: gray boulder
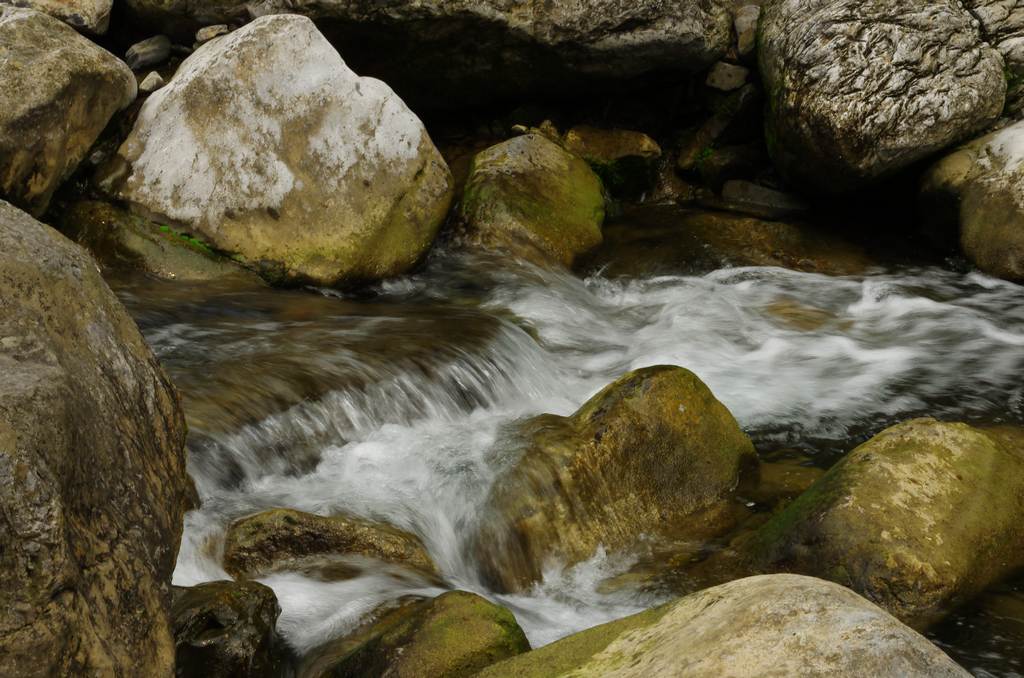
860	89
1002	24
89	16
57	93
92	469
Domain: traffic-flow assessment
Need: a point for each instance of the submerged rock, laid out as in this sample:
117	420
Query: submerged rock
57	93
624	159
919	519
453	53
452	636
974	197
225	629
93	485
123	241
859	89
653	452
268	147
775	625
531	198
90	16
284	539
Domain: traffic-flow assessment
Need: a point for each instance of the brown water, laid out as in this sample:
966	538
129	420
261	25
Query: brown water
391	404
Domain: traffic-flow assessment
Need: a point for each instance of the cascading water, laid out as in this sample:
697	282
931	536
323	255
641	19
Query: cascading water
392	405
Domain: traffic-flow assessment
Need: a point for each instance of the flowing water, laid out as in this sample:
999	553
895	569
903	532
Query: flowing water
391	403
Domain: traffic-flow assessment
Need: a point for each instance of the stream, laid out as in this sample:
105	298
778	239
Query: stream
390	404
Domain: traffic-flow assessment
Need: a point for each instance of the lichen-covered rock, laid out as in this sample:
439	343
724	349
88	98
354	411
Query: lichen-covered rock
760	627
974	198
452	636
1002	26
859	89
267	146
92	469
450	53
652	452
285	539
57	93
123	241
918	519
624	159
529	197
91	16
226	629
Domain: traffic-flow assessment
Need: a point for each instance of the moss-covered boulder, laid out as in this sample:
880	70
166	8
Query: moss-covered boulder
225	629
531	198
452	636
625	160
918	519
268	147
974	198
285	539
57	93
121	240
775	625
653	452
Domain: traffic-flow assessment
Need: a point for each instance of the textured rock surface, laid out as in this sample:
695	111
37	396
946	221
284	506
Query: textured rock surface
91	16
860	89
1002	25
283	539
225	629
975	197
57	93
761	627
267	146
452	52
531	198
918	519
92	469
451	636
652	452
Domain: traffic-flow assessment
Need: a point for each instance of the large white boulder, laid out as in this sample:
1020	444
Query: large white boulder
268	147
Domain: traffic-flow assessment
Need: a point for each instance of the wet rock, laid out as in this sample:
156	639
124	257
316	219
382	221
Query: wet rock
652	452
149	52
1002	26
268	147
208	33
452	636
719	166
531	198
747	197
667	240
57	93
225	629
93	485
974	198
89	16
284	539
736	111
727	77
122	241
624	159
745	25
858	90
919	519
777	625
455	53
151	83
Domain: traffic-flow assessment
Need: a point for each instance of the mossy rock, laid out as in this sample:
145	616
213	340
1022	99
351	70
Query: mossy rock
654	452
121	240
285	539
919	519
225	629
767	626
624	159
529	197
452	636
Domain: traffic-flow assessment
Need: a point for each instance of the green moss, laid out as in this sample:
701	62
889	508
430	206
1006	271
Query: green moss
187	240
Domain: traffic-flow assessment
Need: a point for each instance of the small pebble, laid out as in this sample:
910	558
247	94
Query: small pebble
208	33
727	77
151	83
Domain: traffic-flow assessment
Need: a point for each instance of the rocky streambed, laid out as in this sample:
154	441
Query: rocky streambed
493	338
